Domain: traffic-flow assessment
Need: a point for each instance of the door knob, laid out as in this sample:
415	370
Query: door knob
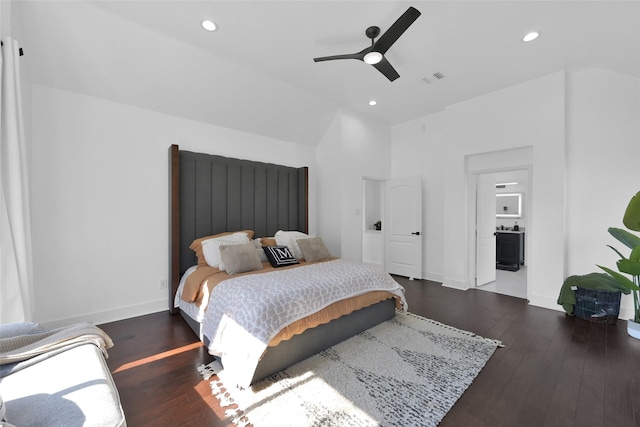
417	233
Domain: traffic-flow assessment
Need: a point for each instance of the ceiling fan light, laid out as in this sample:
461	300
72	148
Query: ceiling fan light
373	57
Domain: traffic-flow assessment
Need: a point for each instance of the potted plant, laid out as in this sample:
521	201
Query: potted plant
630	265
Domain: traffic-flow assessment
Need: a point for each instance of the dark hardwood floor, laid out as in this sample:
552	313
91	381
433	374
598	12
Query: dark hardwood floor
553	371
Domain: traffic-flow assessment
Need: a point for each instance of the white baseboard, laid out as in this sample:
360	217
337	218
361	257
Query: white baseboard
432	276
545	302
463	285
377	264
113	315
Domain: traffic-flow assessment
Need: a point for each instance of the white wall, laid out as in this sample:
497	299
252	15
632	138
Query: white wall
603	158
100	201
576	125
417	150
99	178
351	149
366	147
330	167
5	19
529	114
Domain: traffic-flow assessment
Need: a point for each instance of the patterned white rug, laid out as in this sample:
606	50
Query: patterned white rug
407	371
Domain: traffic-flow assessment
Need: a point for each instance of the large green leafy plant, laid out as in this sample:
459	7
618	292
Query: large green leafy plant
630	265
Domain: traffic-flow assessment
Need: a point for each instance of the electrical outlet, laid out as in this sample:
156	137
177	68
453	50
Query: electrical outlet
163	284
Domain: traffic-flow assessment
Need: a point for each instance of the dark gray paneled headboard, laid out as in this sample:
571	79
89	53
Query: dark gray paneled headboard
212	194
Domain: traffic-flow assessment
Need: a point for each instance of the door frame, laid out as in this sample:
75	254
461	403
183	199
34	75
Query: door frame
471	192
489	192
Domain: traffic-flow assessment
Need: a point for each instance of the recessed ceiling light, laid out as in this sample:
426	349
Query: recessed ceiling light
530	36
373	57
373	102
209	25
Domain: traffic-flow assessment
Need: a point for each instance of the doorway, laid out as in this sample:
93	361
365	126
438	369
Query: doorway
506	212
372	213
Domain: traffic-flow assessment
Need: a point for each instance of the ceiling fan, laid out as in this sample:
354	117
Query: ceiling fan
374	54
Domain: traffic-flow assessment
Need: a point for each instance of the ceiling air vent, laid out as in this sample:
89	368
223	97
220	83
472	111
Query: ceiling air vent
433	77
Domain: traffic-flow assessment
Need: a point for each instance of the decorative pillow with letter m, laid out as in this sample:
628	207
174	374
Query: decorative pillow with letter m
279	256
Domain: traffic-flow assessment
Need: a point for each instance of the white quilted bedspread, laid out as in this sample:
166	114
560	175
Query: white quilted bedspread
246	312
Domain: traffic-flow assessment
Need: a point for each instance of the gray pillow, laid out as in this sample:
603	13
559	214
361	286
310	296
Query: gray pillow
313	249
262	255
240	258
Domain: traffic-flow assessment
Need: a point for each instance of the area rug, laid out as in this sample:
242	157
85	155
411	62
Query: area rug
407	371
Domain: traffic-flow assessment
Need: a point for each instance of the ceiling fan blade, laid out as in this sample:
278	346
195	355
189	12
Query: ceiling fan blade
387	69
358	55
396	30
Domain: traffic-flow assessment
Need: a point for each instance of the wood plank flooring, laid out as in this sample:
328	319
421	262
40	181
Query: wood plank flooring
553	371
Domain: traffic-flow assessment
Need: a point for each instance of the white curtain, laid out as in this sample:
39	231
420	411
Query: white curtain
16	272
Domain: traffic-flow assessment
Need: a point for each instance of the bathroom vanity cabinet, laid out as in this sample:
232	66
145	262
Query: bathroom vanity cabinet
509	250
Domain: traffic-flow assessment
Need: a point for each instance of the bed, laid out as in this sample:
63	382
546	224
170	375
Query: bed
211	195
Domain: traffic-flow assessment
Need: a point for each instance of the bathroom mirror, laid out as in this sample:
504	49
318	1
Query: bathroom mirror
509	205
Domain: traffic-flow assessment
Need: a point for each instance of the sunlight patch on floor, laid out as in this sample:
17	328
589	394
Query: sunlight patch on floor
158	356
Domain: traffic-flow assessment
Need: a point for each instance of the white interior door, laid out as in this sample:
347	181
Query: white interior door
402	227
485	229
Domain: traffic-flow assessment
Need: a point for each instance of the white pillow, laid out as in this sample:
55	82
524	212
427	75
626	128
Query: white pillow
289	238
211	247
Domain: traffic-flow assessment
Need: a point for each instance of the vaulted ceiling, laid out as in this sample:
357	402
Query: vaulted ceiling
256	73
